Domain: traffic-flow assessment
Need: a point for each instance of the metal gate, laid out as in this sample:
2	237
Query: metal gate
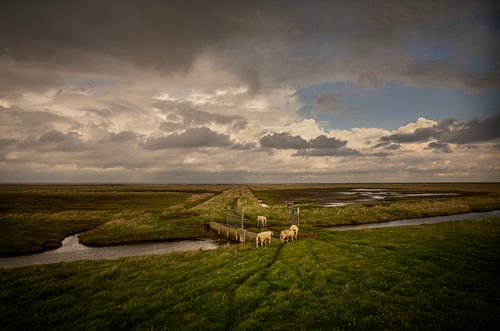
292	214
236	219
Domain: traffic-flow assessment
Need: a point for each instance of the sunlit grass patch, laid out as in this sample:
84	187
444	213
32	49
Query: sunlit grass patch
134	226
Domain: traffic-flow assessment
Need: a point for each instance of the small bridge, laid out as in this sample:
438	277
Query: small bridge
234	227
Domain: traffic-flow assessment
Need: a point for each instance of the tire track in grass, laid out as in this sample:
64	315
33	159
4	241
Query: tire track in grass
230	324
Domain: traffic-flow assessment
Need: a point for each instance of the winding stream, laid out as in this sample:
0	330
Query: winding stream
72	250
416	221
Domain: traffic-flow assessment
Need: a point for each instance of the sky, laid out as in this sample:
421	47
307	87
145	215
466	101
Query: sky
249	91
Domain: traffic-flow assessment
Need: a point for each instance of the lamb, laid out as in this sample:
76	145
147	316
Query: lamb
262	221
262	237
295	230
285	235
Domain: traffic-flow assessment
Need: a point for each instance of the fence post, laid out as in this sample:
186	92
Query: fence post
298	216
242	226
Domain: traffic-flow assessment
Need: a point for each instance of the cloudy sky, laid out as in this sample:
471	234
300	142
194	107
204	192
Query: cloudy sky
249	91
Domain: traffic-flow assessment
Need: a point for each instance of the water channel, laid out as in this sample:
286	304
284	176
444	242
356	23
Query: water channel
72	250
416	221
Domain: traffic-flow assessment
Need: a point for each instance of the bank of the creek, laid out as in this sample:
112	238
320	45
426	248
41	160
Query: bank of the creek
416	221
72	250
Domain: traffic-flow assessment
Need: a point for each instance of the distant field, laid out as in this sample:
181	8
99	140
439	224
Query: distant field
428	187
321	193
430	277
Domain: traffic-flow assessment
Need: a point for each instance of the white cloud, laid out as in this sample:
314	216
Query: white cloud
421	122
4	103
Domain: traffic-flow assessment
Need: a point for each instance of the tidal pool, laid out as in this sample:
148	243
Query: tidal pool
363	195
72	250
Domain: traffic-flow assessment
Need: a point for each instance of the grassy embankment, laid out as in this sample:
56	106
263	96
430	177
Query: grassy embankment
187	220
442	276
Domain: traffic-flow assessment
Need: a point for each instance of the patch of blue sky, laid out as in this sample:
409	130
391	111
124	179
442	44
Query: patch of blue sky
394	104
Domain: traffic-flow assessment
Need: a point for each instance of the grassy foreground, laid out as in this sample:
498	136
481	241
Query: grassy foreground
442	276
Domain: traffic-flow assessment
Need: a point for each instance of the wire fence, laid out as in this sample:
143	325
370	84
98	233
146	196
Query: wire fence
292	214
235	218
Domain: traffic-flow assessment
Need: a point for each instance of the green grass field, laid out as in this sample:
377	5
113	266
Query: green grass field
429	277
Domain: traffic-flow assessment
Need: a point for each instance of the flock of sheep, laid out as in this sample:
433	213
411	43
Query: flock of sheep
265	236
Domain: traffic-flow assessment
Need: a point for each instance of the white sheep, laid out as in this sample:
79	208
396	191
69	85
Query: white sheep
295	230
262	237
285	235
262	221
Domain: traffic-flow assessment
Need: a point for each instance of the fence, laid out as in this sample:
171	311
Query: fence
233	233
292	214
236	219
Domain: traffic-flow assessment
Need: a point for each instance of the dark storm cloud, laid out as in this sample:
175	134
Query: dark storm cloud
319	146
122	107
167	35
283	141
393	147
439	147
343	151
326	143
7	142
475	131
55	141
191	138
170	126
185	114
368	79
31	119
255	39
450	131
286	141
419	135
121	137
247	146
